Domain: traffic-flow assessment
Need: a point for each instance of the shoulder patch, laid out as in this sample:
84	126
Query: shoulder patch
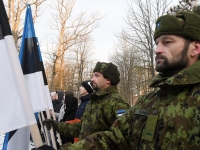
142	112
120	112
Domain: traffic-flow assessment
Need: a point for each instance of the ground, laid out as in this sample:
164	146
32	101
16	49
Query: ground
31	144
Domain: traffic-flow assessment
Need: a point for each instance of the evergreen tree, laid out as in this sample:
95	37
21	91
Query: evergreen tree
185	5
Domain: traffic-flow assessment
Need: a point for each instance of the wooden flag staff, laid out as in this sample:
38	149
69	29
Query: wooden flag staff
58	135
37	140
44	129
51	131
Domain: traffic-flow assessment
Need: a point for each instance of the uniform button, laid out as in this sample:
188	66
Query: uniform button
155	112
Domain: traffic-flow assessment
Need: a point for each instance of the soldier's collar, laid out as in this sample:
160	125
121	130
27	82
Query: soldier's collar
107	90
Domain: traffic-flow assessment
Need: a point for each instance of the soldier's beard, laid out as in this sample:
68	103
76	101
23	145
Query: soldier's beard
177	64
95	87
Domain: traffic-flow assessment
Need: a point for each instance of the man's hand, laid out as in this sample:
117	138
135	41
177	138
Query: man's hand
50	123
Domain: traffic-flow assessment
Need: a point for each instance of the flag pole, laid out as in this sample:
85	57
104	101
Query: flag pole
58	135
51	131
44	128
37	140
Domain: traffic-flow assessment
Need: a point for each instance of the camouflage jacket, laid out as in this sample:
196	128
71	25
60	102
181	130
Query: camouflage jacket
100	113
166	119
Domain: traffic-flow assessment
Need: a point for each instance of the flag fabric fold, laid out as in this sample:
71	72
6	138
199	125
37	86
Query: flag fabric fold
46	87
32	66
17	139
15	107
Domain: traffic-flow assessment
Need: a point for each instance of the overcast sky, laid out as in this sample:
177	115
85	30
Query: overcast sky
103	36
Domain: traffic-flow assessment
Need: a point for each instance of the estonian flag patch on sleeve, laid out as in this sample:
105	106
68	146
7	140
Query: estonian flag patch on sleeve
120	112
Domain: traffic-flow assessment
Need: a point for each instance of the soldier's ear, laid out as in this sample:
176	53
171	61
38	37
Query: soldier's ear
195	49
108	81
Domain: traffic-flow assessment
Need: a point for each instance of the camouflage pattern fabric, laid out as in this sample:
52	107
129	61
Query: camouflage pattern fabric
99	115
166	119
103	66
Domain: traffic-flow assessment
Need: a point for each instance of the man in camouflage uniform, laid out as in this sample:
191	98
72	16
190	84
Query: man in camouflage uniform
169	117
105	106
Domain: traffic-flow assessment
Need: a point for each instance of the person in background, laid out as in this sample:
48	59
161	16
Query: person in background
105	106
53	96
70	107
58	102
85	91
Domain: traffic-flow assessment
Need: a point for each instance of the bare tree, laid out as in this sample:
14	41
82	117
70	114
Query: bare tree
133	76
81	53
141	17
16	10
77	64
134	54
70	29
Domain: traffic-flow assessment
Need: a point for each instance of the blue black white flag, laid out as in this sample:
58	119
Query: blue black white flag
15	107
34	75
32	66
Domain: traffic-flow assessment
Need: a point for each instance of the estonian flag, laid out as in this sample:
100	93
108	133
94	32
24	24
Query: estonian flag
32	66
15	107
36	83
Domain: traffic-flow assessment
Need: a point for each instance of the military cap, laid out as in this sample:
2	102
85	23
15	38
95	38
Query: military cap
109	70
185	24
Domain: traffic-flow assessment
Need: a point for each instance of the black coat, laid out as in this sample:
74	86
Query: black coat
57	104
71	105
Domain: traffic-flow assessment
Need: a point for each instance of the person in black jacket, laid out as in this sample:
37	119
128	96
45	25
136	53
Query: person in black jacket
59	101
70	107
85	92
